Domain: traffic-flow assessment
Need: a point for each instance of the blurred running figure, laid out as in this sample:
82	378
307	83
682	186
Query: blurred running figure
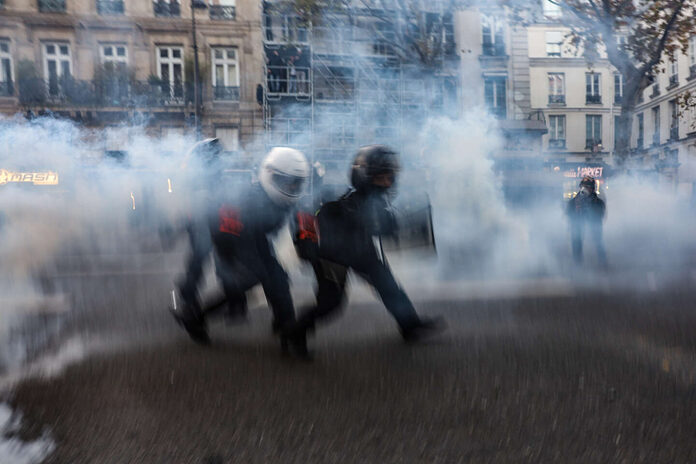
240	226
348	238
587	211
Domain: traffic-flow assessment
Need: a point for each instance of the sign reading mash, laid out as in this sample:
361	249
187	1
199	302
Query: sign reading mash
36	178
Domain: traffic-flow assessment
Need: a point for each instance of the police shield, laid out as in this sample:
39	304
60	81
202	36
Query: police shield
414	222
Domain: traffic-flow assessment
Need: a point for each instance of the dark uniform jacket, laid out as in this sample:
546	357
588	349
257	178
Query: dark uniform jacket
347	226
584	207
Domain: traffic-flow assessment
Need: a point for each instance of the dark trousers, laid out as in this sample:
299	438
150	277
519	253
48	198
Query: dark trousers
239	269
331	289
596	236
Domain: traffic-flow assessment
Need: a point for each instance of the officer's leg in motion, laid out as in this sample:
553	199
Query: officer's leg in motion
330	294
190	315
412	327
598	238
576	240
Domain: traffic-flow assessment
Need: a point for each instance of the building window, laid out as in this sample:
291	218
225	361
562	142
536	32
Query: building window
673	73
52	6
552	9
618	88
673	120
169	8
554	40
115	54
556	88
557	137
656	125
110	7
226	75
57	65
493	36
592	88
494	95
229	138
641	130
593	132
6	80
170	70
224	10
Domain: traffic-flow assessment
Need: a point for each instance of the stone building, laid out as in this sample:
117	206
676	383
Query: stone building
106	62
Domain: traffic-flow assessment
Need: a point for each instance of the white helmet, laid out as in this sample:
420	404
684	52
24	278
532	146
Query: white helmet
283	175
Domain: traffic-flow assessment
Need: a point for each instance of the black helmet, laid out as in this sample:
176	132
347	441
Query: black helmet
208	151
372	161
589	182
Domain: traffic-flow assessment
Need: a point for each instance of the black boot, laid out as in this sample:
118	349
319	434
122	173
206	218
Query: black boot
424	328
193	322
293	341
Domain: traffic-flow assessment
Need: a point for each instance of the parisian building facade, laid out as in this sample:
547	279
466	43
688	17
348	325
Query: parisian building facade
531	71
108	62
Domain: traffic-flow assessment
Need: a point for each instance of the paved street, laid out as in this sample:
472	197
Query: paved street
571	376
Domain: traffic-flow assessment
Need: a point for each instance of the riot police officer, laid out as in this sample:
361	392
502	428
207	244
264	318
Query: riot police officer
240	227
348	238
586	211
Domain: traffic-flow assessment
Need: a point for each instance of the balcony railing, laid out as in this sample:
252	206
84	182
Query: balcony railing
593	99
692	72
222	12
557	143
171	8
674	132
673	80
6	88
557	99
496	49
103	93
593	144
655	91
223	93
52	6
499	112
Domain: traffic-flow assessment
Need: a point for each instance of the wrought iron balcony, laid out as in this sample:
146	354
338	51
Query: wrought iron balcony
655	90
674	132
656	138
557	99
221	92
52	6
110	7
593	99
673	81
6	88
171	8
557	144
593	144
107	92
222	12
496	49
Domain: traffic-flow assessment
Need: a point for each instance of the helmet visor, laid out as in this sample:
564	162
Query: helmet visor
289	185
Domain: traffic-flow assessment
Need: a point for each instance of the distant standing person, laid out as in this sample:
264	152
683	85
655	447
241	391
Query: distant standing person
586	211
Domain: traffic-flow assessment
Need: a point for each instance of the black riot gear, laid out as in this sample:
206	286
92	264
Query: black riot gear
372	161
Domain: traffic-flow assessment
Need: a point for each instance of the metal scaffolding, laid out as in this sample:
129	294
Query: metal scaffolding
334	87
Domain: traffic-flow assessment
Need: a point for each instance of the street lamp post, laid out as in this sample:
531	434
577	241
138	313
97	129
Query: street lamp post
196	4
